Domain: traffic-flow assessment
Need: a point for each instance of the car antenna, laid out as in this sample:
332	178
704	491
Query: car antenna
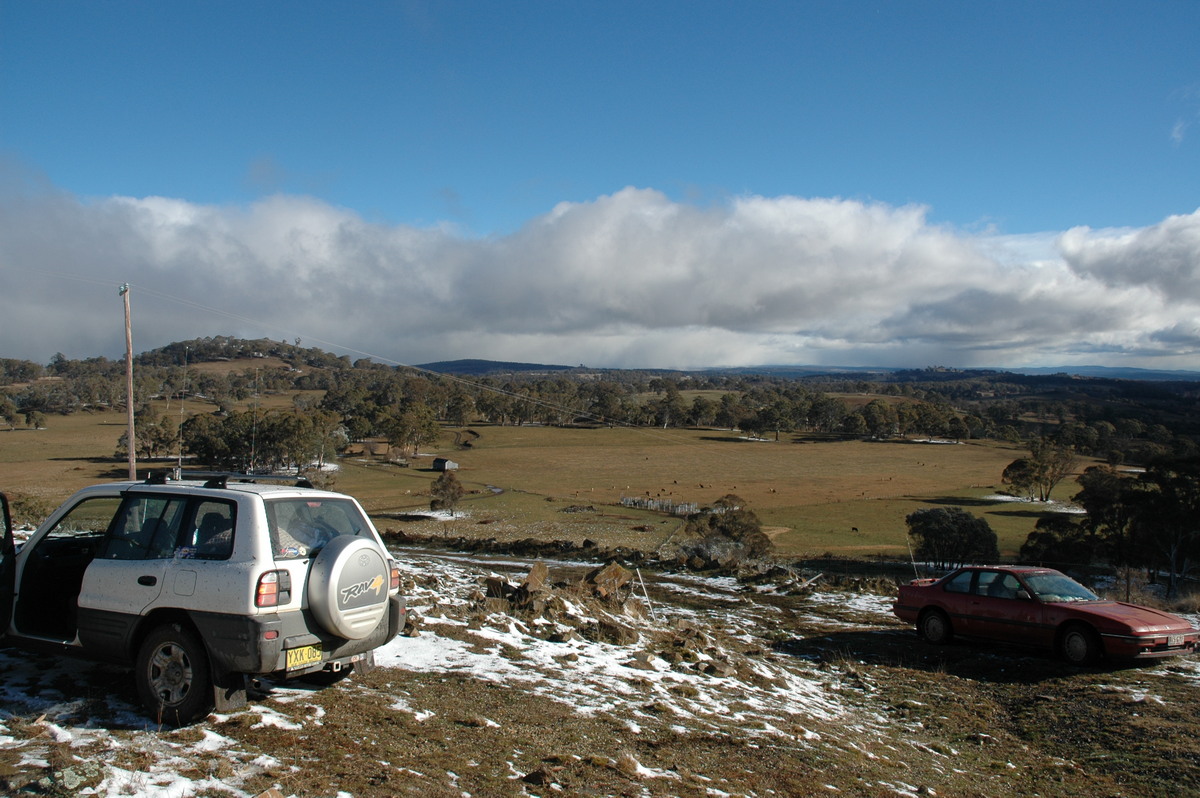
911	558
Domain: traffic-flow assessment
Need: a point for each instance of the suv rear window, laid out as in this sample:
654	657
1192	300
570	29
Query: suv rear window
301	527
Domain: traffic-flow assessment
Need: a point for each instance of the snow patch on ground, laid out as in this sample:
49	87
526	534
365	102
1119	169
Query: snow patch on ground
1049	506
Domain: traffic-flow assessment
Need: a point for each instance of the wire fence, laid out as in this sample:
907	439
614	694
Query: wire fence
660	505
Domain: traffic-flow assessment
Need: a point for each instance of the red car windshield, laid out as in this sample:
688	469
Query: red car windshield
1057	588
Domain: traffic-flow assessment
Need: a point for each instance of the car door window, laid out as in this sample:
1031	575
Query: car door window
984	585
85	521
212	527
1005	587
54	568
146	528
960	583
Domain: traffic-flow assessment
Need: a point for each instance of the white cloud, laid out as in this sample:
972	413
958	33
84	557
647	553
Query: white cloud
1164	257
628	279
1178	132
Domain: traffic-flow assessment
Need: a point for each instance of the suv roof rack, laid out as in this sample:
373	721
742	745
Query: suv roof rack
221	479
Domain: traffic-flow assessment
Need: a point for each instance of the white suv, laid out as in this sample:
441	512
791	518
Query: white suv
201	583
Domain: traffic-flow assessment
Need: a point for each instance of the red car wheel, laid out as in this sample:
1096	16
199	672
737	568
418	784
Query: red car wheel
935	627
1079	645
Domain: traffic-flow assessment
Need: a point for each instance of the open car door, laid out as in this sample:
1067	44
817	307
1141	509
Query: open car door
8	568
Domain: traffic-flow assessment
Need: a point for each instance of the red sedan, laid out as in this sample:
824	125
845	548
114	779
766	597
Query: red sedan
1040	607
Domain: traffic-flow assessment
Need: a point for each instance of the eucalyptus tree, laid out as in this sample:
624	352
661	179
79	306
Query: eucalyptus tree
948	537
1168	518
1038	474
879	418
412	428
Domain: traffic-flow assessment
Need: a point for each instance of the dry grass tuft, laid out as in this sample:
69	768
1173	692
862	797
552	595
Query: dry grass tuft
627	765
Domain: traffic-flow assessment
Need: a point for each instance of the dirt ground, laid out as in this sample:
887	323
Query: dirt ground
678	686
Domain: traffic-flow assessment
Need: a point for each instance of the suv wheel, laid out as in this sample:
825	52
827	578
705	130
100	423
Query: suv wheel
173	677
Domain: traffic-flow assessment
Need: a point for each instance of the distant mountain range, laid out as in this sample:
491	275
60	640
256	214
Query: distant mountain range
1114	373
475	367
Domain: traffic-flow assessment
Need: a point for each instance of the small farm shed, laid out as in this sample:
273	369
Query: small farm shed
442	464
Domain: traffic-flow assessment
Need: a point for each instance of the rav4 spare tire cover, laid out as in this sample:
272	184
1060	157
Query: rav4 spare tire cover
348	586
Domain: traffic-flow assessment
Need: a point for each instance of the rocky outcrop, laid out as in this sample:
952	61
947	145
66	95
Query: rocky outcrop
604	607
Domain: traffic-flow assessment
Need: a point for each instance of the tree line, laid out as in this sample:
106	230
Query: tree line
1115	420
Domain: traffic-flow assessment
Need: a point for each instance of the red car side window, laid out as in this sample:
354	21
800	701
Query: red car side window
960	583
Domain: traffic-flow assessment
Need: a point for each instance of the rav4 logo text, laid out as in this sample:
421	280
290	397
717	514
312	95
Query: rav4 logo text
357	589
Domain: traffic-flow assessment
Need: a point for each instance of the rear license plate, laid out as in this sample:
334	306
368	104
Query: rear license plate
303	657
1174	641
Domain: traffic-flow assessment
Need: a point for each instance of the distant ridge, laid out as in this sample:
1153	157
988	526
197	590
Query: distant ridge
481	367
232	349
478	367
1114	373
1099	372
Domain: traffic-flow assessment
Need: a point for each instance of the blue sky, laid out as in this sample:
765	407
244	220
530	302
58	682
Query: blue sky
434	150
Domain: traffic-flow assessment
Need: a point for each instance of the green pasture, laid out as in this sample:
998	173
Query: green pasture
846	498
815	497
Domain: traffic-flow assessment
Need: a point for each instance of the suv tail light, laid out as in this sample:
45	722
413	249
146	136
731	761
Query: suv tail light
394	570
274	588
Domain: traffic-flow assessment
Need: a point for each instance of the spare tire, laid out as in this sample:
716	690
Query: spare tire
348	586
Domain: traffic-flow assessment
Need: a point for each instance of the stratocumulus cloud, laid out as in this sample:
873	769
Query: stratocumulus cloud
628	279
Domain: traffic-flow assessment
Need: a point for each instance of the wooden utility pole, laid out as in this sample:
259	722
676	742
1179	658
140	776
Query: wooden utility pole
132	444
182	400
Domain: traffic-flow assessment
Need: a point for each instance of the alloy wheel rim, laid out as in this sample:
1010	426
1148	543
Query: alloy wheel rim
170	673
